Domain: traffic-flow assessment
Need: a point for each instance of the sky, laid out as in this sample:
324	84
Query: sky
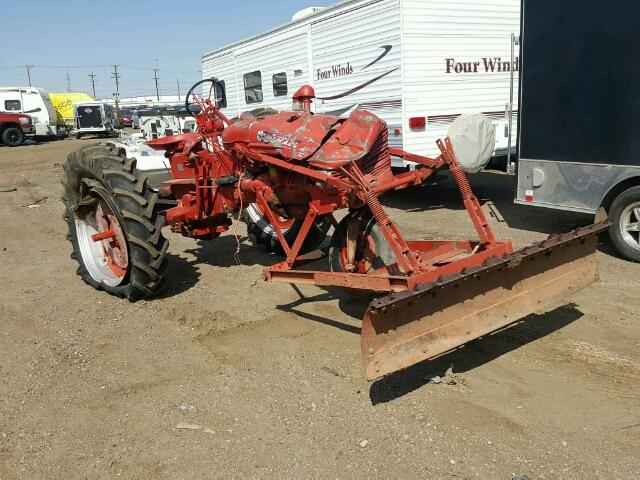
81	37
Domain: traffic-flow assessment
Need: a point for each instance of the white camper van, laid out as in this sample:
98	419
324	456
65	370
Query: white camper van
417	64
36	103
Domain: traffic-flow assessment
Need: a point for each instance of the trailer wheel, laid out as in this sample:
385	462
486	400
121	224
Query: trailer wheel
625	216
12	136
258	225
78	135
114	224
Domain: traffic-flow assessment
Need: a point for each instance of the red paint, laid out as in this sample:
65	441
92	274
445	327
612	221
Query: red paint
96	237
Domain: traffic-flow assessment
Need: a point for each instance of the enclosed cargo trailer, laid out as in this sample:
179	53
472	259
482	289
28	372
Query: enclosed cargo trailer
579	146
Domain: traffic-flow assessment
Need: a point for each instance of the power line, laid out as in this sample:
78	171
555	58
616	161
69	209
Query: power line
123	67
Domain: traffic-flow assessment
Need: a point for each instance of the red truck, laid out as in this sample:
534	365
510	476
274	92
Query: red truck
14	127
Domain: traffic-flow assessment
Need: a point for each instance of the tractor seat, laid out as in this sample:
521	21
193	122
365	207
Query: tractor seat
350	143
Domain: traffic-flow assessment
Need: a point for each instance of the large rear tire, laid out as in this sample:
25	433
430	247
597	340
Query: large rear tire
625	217
259	227
114	224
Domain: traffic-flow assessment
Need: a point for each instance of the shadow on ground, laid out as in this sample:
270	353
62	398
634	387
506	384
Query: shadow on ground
182	273
354	306
475	353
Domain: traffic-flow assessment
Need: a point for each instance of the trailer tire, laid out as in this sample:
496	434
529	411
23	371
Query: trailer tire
625	217
12	136
259	227
101	188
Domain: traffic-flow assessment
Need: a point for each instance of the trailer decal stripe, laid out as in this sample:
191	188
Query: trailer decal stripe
359	87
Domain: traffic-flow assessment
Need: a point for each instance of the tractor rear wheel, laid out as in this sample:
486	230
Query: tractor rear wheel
259	226
114	224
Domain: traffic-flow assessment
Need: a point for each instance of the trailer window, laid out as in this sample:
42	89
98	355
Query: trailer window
253	87
221	94
12	105
280	84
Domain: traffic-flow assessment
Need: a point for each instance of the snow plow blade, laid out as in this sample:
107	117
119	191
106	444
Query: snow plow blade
403	328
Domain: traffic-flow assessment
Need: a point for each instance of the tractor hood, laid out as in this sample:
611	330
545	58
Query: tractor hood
295	135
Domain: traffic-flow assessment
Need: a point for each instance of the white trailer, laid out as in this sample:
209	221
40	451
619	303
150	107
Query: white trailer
417	64
36	103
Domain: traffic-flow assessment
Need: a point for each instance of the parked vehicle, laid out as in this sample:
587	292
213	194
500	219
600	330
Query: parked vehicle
63	104
578	139
36	103
416	64
14	127
149	162
94	118
166	121
126	117
135	119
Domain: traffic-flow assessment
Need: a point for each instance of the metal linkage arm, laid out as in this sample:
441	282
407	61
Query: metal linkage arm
469	199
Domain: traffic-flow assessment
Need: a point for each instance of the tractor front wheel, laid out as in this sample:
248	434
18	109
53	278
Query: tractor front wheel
358	245
259	226
114	224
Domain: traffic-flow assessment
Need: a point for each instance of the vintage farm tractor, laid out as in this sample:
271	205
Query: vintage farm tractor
292	171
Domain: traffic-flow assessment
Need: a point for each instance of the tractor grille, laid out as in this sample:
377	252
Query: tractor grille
378	161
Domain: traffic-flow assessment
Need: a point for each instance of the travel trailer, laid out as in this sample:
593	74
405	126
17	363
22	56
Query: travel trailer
36	103
578	139
417	64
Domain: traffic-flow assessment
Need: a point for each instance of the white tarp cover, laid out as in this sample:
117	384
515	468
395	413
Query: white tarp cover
473	138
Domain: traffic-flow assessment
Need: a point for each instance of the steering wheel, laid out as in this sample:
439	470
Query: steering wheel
204	102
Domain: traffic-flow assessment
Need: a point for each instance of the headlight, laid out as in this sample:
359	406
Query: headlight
25	120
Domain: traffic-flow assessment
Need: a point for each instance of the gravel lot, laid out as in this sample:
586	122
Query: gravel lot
228	376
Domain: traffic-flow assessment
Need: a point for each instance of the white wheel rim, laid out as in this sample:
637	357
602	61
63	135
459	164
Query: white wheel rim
630	225
262	220
107	259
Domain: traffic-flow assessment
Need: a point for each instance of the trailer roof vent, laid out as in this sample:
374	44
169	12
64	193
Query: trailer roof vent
305	12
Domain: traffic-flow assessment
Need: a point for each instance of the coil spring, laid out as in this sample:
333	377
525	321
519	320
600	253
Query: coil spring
462	181
375	206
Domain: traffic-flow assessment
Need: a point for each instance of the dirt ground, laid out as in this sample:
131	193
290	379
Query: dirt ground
228	376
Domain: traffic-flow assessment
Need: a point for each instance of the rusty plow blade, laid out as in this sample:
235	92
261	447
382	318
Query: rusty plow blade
404	328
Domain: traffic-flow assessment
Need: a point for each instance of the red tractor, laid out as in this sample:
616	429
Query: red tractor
294	170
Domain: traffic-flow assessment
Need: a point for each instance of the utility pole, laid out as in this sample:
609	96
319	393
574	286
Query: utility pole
156	78
92	76
116	76
29	67
68	82
178	82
